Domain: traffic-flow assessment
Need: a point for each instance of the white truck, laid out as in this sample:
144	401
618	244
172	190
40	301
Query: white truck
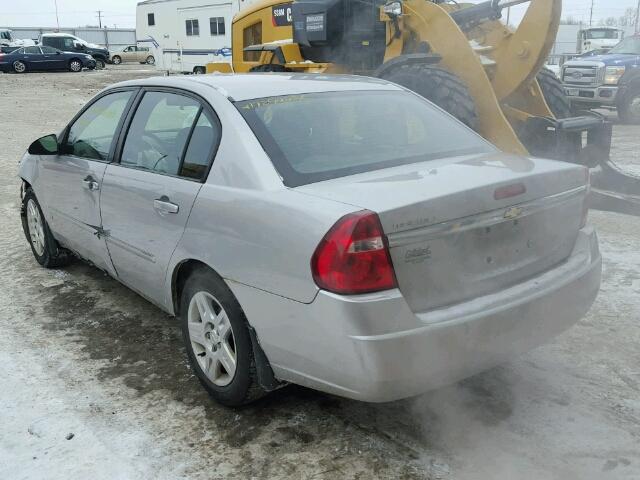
185	35
598	39
8	42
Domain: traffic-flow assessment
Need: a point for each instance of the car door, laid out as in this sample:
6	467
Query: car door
141	54
34	58
53	59
70	182
147	196
128	54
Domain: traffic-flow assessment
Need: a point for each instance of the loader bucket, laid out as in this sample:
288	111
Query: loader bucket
586	140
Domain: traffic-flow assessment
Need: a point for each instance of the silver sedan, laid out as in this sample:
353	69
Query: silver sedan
336	232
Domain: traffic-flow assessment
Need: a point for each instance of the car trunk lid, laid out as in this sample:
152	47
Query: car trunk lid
465	227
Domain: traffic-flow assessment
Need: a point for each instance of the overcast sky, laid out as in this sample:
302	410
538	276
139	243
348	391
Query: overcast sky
73	13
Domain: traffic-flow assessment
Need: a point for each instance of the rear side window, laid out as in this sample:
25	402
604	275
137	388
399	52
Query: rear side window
91	135
320	136
172	135
32	50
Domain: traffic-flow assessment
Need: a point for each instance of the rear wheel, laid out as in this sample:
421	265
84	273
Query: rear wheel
629	108
217	339
116	60
270	67
45	248
438	86
75	65
19	66
554	94
151	60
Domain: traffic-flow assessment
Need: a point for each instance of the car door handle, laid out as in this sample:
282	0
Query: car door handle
91	184
164	206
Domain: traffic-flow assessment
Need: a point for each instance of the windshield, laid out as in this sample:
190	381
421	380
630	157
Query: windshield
603	34
320	136
630	46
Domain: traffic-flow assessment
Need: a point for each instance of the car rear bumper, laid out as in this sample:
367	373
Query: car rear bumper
373	348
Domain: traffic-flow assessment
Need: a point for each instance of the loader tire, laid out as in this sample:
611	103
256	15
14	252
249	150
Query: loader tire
438	86
554	94
270	67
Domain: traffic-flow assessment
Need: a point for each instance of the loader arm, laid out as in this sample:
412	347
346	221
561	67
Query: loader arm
434	25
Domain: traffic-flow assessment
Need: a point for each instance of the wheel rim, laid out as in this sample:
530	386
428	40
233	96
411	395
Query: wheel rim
151	60
212	338
36	229
19	67
99	64
76	66
116	60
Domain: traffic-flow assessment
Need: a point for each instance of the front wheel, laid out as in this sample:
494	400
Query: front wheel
19	66
438	86
151	60
218	344
116	60
75	65
44	247
100	63
554	94
629	109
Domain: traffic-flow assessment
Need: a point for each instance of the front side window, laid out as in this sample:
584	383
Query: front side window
151	19
252	35
92	134
216	24
320	136
161	129
48	50
68	43
193	28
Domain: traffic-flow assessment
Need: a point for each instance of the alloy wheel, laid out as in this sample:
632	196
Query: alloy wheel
75	66
36	228
19	66
151	60
212	338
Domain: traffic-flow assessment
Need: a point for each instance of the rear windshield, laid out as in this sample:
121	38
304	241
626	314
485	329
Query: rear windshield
321	136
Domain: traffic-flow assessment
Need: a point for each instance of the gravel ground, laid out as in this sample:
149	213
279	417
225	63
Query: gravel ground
94	381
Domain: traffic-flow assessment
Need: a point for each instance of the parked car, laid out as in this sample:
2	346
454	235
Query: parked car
44	58
70	43
133	53
610	80
300	236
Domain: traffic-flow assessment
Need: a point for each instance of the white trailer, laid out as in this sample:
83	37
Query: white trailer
185	35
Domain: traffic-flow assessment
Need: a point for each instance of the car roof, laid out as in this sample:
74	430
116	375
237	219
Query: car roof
248	86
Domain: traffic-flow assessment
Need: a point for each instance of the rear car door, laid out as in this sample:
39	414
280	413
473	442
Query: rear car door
70	182
34	58
148	195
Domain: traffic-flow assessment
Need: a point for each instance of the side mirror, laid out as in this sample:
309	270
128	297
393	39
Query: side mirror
44	146
58	52
78	45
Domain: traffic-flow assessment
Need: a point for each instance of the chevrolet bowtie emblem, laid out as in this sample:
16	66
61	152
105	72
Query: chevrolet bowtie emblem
513	213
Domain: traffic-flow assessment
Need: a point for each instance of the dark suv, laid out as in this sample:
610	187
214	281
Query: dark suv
69	43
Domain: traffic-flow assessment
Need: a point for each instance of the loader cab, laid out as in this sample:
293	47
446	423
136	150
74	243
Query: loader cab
346	32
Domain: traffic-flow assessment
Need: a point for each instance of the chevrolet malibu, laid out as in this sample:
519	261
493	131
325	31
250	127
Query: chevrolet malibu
335	232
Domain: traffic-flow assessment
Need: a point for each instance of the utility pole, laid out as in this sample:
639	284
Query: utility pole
591	16
100	18
638	18
57	20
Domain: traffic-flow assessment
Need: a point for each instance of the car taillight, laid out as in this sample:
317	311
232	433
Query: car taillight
353	257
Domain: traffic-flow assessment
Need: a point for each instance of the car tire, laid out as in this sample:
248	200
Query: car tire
554	94
19	66
629	109
151	60
116	60
75	65
199	70
217	339
270	67
100	63
45	248
439	86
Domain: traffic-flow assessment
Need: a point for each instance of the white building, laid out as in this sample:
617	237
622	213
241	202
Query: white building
187	34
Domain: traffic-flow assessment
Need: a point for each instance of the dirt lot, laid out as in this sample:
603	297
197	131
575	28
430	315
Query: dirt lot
94	381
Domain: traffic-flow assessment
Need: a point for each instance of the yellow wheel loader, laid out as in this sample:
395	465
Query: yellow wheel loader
459	56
